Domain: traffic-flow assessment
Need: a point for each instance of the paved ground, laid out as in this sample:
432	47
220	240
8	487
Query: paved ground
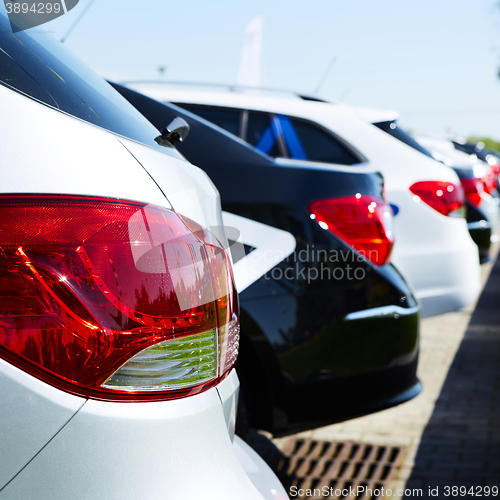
461	442
452	429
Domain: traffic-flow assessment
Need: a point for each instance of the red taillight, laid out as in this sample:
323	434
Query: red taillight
112	299
363	222
445	197
472	188
489	182
495	167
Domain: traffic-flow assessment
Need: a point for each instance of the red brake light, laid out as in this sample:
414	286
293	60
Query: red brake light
495	167
472	188
489	182
445	197
363	222
112	299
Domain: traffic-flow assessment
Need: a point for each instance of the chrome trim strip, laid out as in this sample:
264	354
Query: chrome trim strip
480	224
382	312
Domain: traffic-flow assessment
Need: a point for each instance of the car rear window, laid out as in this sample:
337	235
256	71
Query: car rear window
36	65
315	144
228	119
263	133
279	135
391	127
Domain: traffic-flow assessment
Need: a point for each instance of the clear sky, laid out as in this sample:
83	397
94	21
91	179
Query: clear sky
435	61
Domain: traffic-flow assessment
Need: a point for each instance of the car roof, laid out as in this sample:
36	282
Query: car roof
346	122
273	100
445	151
211	139
164	85
236	97
375	115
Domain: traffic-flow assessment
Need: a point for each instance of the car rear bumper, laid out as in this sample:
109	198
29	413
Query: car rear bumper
165	450
443	280
361	395
481	233
437	257
344	365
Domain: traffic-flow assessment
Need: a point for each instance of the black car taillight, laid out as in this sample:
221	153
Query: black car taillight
489	181
363	222
473	188
113	299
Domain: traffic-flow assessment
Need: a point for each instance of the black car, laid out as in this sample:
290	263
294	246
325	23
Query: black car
490	156
472	148
477	220
327	334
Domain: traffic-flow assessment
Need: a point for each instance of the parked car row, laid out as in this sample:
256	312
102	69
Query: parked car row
165	246
478	181
301	159
481	202
432	241
325	320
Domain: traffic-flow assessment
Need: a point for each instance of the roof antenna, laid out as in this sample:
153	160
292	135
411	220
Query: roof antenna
78	19
326	73
162	70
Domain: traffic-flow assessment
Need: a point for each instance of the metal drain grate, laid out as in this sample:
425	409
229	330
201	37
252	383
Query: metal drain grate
337	468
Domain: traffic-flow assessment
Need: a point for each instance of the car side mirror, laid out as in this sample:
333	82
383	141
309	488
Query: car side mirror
176	131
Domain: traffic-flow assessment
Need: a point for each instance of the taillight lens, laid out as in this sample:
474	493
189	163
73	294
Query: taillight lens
489	182
472	189
112	299
495	167
363	222
445	197
494	164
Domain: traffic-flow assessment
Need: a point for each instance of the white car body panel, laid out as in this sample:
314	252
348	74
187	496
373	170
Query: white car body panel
444	271
374	115
258	471
56	445
97	164
188	188
158	450
31	413
447	153
271	245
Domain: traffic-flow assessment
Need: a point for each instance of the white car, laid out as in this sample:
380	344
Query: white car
119	317
433	249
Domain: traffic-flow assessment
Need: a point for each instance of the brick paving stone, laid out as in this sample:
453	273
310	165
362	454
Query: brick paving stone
404	474
415	483
447	461
469	382
431	474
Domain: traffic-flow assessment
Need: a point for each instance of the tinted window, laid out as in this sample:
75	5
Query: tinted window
474	149
40	67
392	129
306	141
263	133
468	148
493	152
228	119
